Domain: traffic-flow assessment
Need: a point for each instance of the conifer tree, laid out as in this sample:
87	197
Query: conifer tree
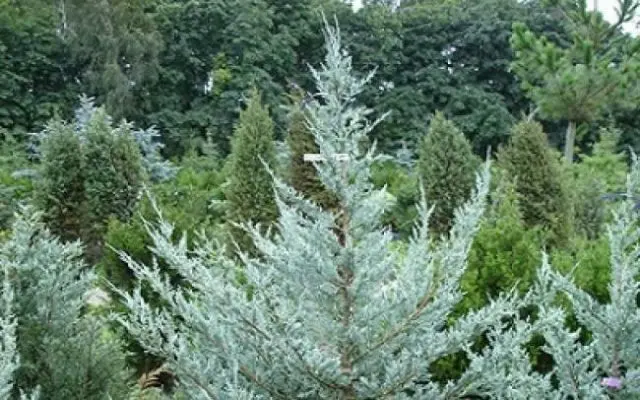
9	359
114	176
61	187
505	253
538	173
249	193
64	352
335	313
446	164
606	365
598	175
579	82
303	176
91	172
157	168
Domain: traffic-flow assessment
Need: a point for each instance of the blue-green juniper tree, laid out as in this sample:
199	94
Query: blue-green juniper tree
334	313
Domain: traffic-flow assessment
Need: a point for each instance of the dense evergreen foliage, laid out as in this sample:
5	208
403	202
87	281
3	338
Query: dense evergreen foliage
447	168
89	173
64	352
538	174
162	236
302	173
249	192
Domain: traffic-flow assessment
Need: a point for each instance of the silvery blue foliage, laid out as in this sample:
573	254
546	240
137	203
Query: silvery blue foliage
158	168
84	113
334	311
9	359
70	355
405	156
608	365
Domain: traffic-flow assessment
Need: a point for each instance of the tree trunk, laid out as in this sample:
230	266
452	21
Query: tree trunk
569	141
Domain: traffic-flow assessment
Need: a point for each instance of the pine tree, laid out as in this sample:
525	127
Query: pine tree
63	351
249	192
446	164
539	180
578	83
607	365
335	313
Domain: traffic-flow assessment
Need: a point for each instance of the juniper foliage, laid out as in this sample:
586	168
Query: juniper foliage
302	174
335	314
63	351
607	365
9	359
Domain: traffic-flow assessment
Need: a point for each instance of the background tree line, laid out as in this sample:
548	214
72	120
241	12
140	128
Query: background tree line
185	66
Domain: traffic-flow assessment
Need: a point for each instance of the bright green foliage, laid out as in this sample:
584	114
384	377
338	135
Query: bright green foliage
250	189
446	167
403	185
114	176
64	352
187	201
606	162
599	174
505	253
336	312
504	256
597	71
539	178
589	262
61	185
15	185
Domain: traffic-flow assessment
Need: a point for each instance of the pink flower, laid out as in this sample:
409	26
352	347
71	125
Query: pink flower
612	383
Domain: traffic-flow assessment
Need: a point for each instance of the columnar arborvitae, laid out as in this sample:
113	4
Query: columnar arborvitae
61	188
538	173
114	176
447	166
250	192
90	172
